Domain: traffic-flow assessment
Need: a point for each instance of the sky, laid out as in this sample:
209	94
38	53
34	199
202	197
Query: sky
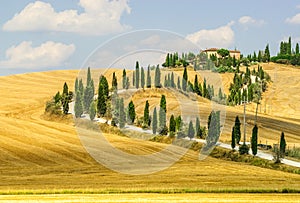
50	35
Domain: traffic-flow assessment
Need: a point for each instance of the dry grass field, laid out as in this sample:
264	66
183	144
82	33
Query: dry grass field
42	153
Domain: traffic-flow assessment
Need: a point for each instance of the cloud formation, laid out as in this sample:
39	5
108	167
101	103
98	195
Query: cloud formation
220	37
48	54
249	21
99	17
294	20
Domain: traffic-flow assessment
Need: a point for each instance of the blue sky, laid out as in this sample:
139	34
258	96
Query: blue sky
48	34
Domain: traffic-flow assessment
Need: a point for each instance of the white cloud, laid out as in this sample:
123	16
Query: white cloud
220	37
294	20
99	17
249	21
48	54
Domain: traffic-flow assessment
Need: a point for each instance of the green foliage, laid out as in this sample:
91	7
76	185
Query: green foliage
157	78
282	146
173	60
178	123
76	85
131	112
114	83
137	75
78	106
122	115
146	114
92	111
232	138
244	149
142	78
254	140
102	96
162	112
223	53
267	54
88	95
191	131
154	121
133	78
178	83
237	129
214	126
148	84
124	79
172	124
184	80
297	49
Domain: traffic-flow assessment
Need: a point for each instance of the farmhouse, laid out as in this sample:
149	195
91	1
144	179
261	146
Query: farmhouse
213	51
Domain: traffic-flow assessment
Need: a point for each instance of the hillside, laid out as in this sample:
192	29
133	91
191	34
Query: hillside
37	152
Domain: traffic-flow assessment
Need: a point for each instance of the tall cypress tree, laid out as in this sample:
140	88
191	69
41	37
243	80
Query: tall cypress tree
198	128
142	78
114	83
237	129
146	114
178	123
289	50
88	95
122	115
137	75
76	85
78	106
154	122
162	112
196	85
124	79
282	144
254	140
172	80
184	79
80	87
233	138
133	78
191	131
88	76
297	48
157	78
131	112
92	111
148	85
102	96
267	54
178	83
65	89
172	124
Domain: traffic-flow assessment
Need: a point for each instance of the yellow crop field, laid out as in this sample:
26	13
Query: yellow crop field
42	153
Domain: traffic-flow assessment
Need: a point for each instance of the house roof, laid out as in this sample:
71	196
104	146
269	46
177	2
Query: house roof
216	49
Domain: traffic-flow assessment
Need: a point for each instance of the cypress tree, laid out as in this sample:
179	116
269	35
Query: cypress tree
198	128
78	107
88	95
124	79
282	144
65	99
162	112
297	48
137	75
196	86
131	112
80	87
191	131
237	129
133	78
65	89
154	122
92	111
88	77
146	114
213	128
172	124
142	78
76	85
148	78
122	115
172	81
178	83
102	96
127	83
267	53
178	123
259	57
233	138
289	48
165	81
254	140
114	83
157	78
184	80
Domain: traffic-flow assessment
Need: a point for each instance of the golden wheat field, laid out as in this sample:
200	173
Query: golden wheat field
39	152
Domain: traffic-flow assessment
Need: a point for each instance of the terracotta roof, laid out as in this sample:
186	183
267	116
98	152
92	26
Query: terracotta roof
216	49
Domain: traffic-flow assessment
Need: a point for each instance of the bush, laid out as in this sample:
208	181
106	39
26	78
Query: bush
244	149
53	108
